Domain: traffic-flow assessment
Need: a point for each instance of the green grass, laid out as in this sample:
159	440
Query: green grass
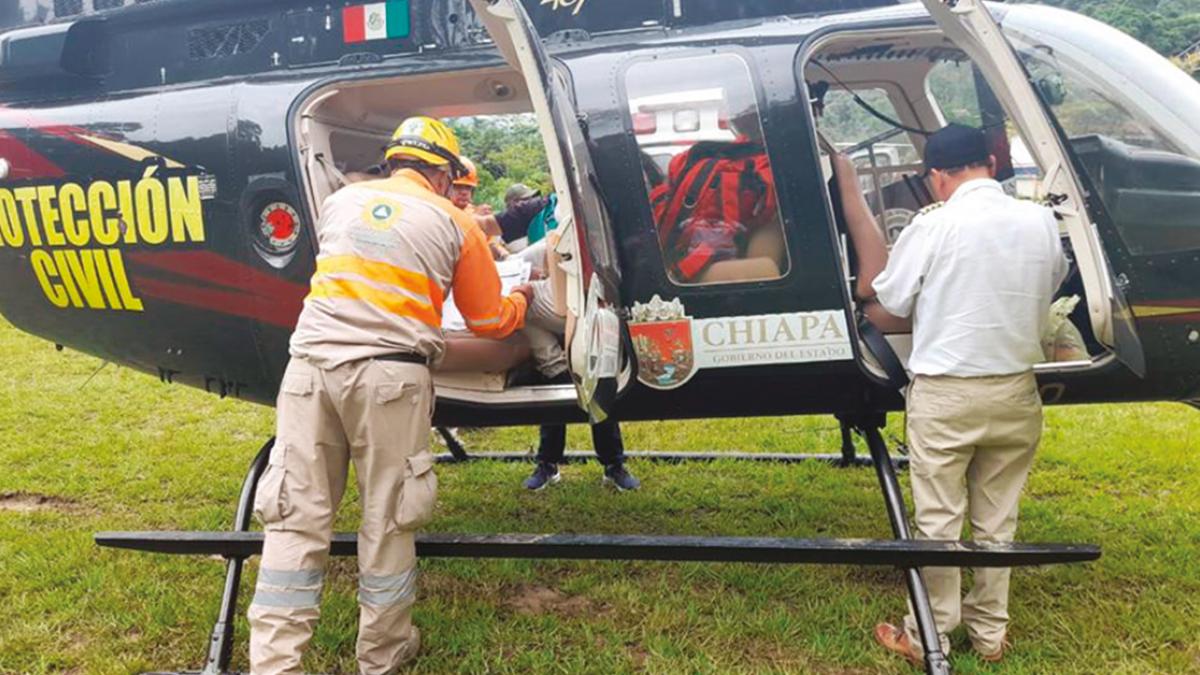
127	452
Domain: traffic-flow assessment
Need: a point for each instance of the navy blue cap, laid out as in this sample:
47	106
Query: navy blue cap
955	145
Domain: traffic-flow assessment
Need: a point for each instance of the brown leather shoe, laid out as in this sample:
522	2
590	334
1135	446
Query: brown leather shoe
895	640
998	655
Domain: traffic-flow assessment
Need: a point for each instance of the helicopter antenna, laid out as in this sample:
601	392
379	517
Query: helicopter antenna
93	375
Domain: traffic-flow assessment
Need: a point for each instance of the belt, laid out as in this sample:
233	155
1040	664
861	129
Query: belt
405	357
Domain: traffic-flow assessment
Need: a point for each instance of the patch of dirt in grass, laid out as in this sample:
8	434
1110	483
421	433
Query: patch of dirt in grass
536	600
29	502
638	656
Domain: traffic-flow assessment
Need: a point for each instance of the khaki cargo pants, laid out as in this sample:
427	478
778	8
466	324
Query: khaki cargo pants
376	414
971	442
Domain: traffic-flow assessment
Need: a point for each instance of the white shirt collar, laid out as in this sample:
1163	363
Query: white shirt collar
973	185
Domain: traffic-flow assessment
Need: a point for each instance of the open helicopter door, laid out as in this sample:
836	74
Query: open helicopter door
586	247
972	28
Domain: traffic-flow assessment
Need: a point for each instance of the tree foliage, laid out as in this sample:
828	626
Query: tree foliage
507	149
1168	26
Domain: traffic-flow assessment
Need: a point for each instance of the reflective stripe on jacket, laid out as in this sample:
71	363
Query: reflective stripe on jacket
390	251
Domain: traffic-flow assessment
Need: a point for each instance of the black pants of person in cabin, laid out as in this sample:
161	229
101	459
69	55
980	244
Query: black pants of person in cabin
606	438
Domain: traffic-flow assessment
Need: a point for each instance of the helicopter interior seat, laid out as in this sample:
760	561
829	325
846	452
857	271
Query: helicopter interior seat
343	130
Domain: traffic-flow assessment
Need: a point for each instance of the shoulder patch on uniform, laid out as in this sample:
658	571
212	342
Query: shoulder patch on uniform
931	208
381	213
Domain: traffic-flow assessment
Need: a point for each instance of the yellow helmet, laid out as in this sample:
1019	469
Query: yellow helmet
426	140
471	177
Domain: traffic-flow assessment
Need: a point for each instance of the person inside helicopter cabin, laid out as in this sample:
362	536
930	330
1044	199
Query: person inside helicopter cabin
977	273
716	211
523	221
462	191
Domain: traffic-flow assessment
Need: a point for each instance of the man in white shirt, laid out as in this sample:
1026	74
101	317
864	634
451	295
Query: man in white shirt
977	274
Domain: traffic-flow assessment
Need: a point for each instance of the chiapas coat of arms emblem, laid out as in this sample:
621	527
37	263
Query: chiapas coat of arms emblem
662	339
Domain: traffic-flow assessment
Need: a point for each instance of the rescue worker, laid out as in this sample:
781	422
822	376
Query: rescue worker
977	273
358	389
462	190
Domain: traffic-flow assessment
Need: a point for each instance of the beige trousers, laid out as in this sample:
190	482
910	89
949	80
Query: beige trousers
971	443
543	327
376	414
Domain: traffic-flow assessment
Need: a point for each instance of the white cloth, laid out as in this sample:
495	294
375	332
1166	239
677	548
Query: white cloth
513	272
534	254
977	275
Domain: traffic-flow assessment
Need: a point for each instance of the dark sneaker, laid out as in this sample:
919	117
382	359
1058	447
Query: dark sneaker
622	479
543	474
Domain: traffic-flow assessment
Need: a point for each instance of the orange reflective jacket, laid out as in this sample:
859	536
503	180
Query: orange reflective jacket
390	251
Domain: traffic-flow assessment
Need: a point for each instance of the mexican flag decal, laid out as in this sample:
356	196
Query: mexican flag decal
376	21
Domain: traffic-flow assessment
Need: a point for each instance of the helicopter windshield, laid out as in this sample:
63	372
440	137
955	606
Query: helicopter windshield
1132	117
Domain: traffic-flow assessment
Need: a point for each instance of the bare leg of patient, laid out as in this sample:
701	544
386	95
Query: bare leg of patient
748	269
768	242
472	354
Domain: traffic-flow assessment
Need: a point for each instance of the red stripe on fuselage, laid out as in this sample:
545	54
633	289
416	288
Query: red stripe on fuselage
228	287
23	162
215	269
281	313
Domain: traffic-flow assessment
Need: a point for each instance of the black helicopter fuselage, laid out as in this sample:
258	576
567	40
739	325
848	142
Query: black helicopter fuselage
148	153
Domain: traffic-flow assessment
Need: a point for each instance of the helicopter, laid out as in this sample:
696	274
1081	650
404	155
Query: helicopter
162	164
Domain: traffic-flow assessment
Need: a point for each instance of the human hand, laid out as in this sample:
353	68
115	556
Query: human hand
499	250
484	210
525	290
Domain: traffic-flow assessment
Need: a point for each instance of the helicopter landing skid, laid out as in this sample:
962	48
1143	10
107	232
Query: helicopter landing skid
903	552
681	457
849	456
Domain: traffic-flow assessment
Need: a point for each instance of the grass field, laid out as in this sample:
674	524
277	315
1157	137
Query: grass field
126	452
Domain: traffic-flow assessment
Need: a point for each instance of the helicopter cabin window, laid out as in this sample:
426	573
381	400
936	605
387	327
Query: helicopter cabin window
708	178
875	97
1141	153
963	96
880	152
874	146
